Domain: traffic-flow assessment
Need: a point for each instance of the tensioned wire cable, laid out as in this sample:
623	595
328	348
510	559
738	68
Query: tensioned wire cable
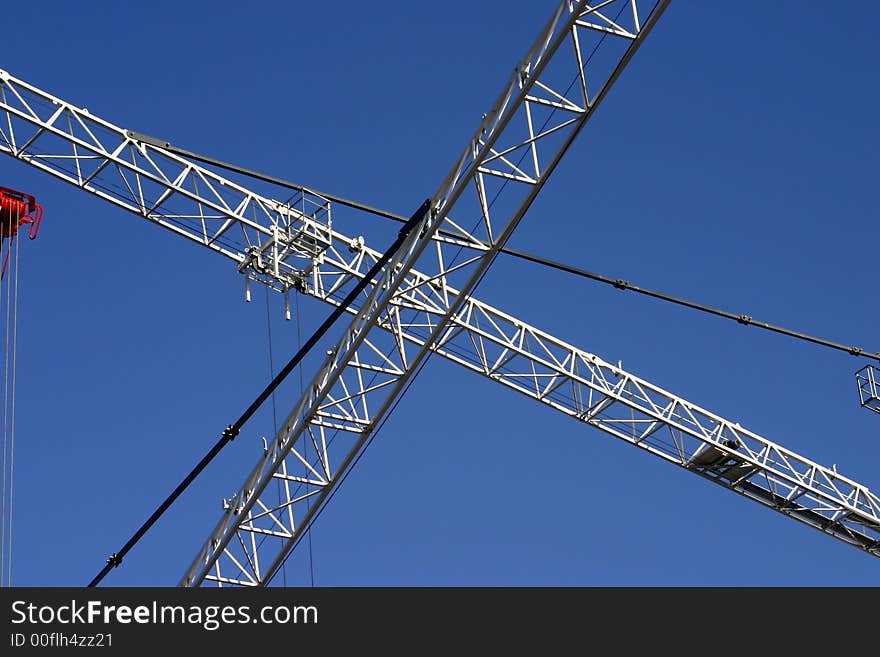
274	407
275	420
619	283
12	412
10	298
3	497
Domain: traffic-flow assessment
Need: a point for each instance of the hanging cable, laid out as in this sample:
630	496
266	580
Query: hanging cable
17	211
6	297
308	499
275	417
274	408
745	320
230	433
12	413
9	223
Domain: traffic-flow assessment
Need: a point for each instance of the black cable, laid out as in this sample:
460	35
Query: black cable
620	284
229	434
256	175
745	320
272	376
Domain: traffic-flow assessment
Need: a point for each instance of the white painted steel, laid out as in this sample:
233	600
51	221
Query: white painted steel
422	303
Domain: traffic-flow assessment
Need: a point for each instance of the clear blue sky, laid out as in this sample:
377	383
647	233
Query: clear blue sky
734	163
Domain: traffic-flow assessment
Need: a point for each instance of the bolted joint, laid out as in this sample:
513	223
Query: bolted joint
253	260
744	319
114	560
229	433
621	284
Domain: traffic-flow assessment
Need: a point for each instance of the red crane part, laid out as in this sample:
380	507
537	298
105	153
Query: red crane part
18	209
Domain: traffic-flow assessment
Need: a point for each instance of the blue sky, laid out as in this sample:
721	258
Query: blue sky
734	163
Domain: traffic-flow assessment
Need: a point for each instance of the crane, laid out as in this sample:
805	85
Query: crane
292	245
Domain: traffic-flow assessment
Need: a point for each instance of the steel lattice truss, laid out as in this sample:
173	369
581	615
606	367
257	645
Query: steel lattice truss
422	303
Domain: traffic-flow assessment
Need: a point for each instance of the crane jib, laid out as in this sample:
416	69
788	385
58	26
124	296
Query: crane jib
430	309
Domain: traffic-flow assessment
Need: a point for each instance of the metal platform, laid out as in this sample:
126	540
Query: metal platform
867	378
